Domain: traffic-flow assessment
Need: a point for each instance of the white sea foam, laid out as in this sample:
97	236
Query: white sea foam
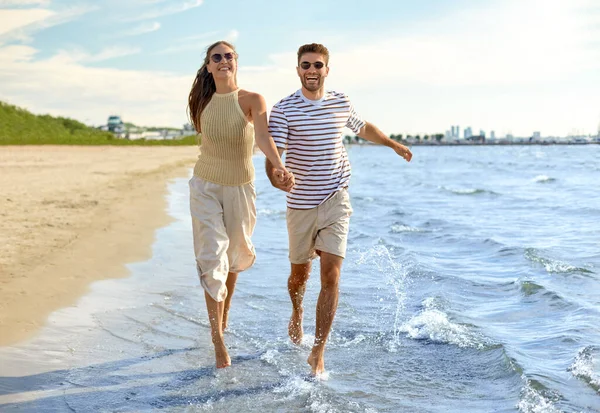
543	179
270	212
270	356
404	228
532	401
433	324
586	366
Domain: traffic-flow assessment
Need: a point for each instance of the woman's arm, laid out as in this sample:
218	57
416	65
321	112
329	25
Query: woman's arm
263	137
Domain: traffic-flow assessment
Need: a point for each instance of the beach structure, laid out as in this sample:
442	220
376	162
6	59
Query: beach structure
115	124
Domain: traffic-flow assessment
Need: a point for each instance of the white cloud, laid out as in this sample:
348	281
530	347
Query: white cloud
179	7
14	19
21	3
142	29
511	68
525	42
77	56
23	24
199	43
63	85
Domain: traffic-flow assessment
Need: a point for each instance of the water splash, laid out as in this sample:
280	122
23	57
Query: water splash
396	276
585	367
533	401
434	324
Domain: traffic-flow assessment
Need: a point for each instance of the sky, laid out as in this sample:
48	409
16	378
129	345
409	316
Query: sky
410	67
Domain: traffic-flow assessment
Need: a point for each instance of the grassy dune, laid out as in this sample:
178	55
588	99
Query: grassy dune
21	127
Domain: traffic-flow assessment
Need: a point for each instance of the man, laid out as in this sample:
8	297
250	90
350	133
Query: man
308	125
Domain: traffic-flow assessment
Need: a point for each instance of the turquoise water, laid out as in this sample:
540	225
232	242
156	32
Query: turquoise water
470	285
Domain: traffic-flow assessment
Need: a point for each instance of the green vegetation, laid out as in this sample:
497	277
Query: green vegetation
20	127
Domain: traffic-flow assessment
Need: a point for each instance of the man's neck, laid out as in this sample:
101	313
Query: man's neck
316	95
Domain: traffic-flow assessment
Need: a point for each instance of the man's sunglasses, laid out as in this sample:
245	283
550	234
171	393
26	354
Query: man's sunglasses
217	57
317	65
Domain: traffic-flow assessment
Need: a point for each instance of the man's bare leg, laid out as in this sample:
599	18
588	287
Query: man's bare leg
297	287
231	280
215	315
331	267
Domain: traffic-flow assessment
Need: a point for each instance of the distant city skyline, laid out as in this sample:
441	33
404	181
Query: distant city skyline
512	66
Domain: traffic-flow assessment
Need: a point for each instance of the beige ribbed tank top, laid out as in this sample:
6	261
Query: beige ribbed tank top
227	142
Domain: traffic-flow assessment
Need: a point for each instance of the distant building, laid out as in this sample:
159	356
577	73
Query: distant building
536	135
468	132
481	132
115	124
492	135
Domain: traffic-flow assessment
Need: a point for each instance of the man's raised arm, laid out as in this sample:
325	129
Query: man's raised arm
372	133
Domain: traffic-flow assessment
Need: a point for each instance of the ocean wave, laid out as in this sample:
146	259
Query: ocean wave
469	191
553	265
585	367
398	228
534	400
433	324
266	212
530	288
543	179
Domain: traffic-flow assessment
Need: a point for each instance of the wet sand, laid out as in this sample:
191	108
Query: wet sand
73	215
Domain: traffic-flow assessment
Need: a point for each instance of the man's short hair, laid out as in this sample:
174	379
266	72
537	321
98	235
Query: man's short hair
314	48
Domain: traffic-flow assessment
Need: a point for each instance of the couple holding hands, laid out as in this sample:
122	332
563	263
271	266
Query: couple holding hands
308	126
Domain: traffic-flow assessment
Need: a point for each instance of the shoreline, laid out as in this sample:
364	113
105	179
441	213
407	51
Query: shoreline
411	144
73	215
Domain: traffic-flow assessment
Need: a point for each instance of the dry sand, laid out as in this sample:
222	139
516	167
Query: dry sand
73	215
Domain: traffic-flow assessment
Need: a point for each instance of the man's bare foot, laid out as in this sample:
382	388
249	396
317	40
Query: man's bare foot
222	356
295	330
316	362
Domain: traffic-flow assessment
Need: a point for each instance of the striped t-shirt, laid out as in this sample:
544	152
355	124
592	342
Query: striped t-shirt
311	133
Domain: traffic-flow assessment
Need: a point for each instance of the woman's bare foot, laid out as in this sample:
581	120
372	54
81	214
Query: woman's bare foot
316	362
295	330
222	356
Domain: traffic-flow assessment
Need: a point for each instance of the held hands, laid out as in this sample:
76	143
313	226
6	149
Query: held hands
403	151
284	180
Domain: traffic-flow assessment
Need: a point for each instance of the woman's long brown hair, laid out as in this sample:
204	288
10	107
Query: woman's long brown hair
203	87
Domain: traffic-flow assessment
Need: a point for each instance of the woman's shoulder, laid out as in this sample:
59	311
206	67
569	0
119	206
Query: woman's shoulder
252	98
244	93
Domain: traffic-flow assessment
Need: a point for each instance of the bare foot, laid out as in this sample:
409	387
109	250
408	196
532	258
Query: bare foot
316	362
222	356
295	327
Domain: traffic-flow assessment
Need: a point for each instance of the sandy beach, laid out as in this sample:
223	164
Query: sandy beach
73	215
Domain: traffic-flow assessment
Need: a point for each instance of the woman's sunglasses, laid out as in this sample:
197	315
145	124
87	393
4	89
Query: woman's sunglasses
317	65
217	57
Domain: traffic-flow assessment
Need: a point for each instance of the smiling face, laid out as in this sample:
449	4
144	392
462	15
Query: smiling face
312	78
222	62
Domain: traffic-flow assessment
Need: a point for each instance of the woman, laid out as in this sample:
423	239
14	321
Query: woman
222	195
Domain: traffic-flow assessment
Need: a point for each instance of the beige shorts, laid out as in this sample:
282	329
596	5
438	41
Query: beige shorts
323	228
223	220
